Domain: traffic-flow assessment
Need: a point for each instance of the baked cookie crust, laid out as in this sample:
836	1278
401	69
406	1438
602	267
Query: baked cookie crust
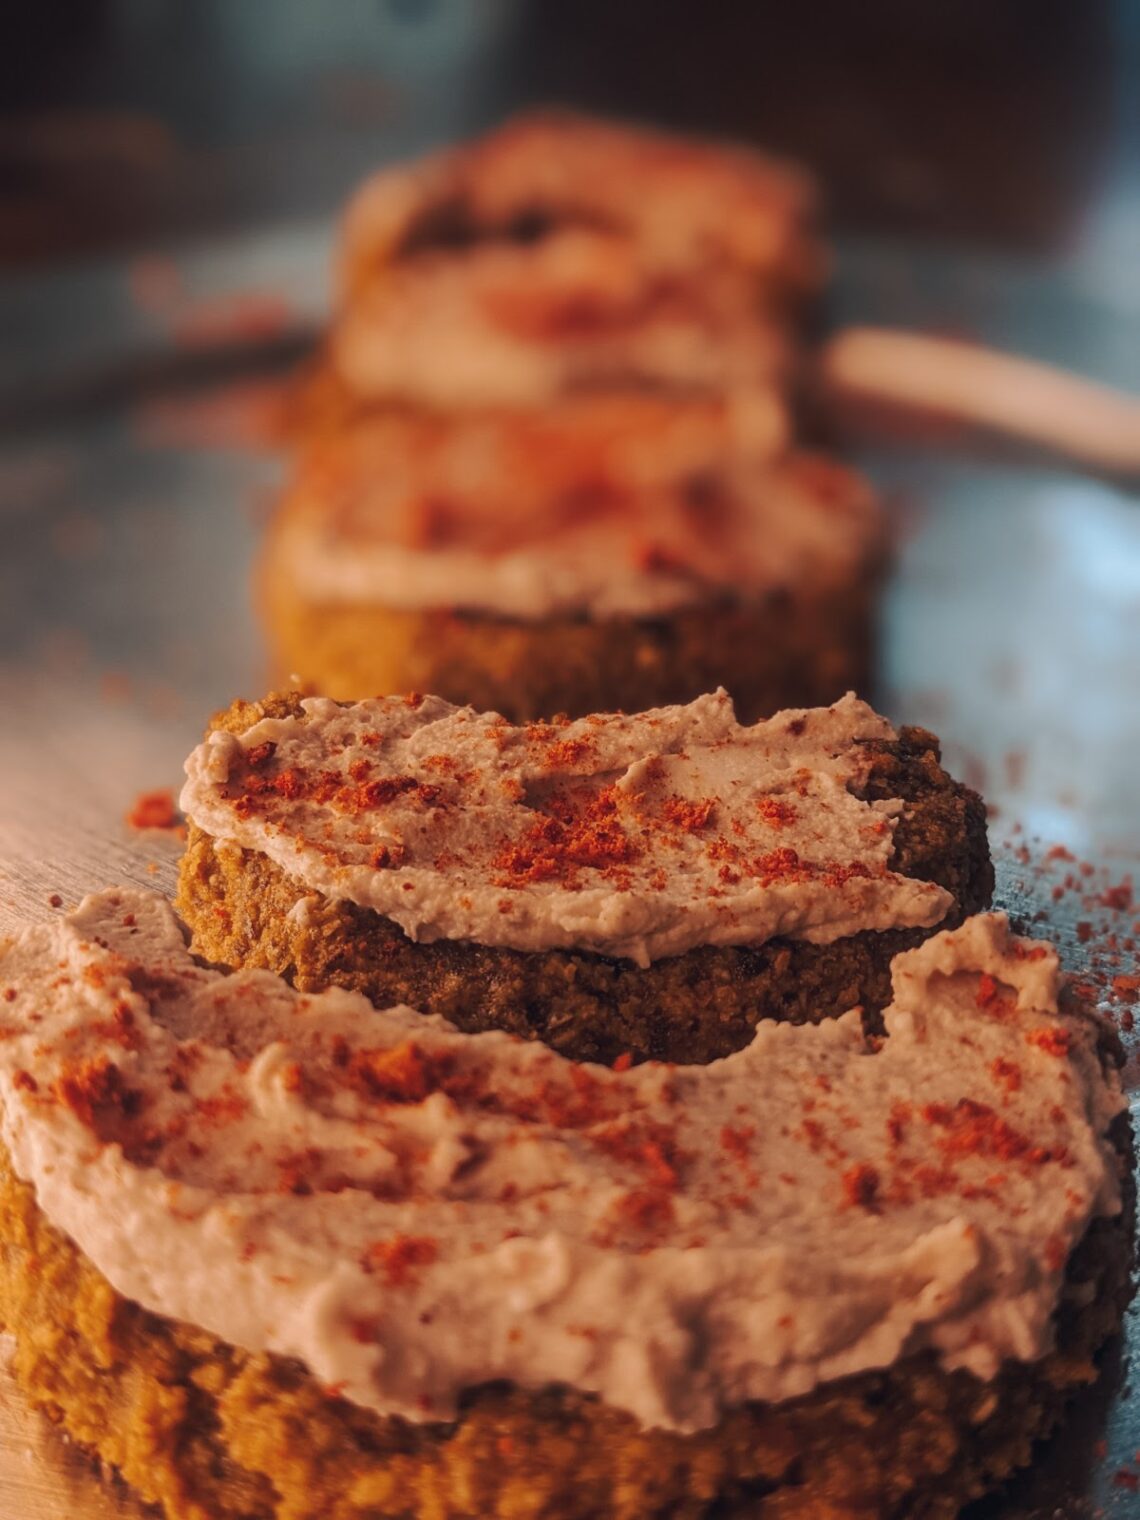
211	1432
785	650
245	911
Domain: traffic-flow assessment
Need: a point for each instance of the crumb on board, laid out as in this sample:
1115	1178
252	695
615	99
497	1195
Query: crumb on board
156	810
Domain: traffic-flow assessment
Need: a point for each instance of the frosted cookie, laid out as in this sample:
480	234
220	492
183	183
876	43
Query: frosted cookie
561	253
616	552
271	1254
619	887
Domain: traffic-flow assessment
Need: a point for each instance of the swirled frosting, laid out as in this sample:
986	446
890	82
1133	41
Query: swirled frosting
413	1212
636	836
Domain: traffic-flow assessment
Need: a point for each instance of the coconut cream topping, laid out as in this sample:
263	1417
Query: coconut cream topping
412	1212
634	836
605	507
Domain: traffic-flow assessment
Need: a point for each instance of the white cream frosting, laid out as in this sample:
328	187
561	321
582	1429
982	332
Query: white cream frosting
787	528
636	836
413	1212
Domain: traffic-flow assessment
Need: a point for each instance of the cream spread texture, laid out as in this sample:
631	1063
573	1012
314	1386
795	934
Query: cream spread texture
412	1212
638	836
583	516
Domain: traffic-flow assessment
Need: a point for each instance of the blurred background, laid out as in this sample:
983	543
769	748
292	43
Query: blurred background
126	121
170	175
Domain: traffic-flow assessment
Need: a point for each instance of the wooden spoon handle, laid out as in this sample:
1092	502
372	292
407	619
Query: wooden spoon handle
1020	398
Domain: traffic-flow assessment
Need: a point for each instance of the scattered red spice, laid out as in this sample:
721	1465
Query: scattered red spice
401	1074
777	814
861	1185
774	864
1006	1073
585	1102
96	1091
55	900
899	1118
736	1140
260	753
1023	952
564	753
692	816
10	994
295	1172
644	1143
1056	1253
293	1077
1124	1478
1054	1040
817	1139
349	796
646	1209
623	1062
24	1081
120	1029
975	1129
154	810
399	1258
387	856
577	832
223	1107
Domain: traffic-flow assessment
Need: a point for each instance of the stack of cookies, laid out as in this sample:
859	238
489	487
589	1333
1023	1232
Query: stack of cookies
633	1114
546	463
645	1123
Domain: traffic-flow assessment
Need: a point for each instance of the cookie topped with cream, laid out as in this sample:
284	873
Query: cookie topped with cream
519	267
606	507
412	1212
637	836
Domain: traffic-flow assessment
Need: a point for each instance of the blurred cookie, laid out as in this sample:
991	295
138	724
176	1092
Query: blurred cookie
561	253
615	551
